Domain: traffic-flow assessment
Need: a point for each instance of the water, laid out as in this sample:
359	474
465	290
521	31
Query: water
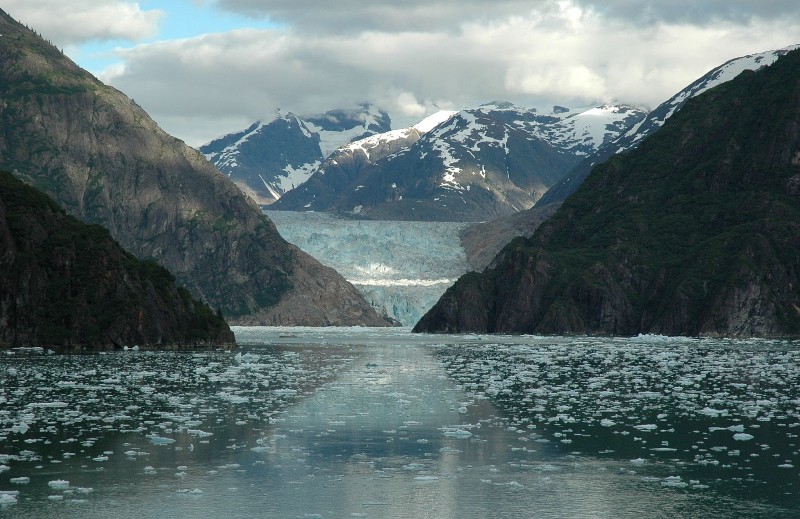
380	423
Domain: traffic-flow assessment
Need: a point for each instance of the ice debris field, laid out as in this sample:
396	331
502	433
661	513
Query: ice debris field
383	423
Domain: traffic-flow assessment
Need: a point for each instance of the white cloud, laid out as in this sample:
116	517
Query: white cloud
78	21
415	57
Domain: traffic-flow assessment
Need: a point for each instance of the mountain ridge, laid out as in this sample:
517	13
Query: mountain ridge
473	165
105	161
484	240
275	155
694	232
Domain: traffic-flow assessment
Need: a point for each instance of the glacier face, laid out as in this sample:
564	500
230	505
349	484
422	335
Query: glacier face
401	268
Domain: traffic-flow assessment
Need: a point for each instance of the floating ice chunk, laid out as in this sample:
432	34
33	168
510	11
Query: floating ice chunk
58	484
456	433
160	440
605	422
24	480
21	428
426	478
638	461
714	413
742	437
786	466
674	481
8	497
732	428
646	427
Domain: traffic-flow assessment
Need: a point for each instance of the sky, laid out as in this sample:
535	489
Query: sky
204	68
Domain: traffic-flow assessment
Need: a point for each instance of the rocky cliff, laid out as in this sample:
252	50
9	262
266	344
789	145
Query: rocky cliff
103	159
67	285
695	232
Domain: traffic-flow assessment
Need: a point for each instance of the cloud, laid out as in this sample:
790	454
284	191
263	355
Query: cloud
562	53
692	12
80	21
412	57
424	15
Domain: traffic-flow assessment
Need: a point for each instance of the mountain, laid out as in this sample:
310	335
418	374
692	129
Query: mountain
483	241
105	161
655	119
278	154
473	165
68	285
334	180
694	232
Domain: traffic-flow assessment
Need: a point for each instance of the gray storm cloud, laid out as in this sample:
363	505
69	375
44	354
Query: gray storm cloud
422	15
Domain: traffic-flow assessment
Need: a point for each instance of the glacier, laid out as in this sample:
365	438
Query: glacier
401	267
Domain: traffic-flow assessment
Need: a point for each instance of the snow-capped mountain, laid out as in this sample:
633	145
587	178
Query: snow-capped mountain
277	154
580	131
655	119
470	165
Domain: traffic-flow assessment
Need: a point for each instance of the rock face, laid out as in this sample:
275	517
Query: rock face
483	241
103	159
695	232
276	155
68	285
474	165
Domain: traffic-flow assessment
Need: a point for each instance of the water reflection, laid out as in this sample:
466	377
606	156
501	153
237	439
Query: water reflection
380	423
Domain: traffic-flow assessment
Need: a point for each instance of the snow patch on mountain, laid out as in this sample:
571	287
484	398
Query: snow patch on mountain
402	268
434	120
715	77
367	144
296	176
580	131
